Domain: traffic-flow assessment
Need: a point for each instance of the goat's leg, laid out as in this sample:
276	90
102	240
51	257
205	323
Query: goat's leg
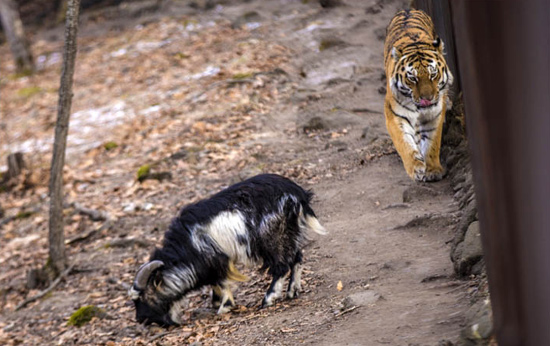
216	296
275	290
295	285
222	297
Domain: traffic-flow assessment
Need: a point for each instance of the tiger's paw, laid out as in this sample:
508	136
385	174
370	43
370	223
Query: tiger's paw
434	174
419	172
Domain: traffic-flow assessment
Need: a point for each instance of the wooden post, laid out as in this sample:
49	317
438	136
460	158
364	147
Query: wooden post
58	259
504	55
440	11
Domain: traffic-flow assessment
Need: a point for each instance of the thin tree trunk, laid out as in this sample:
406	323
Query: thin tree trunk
13	28
58	259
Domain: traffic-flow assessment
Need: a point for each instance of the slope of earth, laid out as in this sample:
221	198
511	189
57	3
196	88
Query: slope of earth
207	98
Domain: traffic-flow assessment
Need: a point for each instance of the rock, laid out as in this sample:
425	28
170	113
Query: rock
331	42
328	70
365	132
130	208
469	252
315	124
248	17
479	325
360	299
339	145
330	3
85	315
179	155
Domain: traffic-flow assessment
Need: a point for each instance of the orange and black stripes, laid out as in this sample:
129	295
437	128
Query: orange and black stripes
416	97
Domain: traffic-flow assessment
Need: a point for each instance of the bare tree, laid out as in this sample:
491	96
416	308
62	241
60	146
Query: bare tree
13	28
58	260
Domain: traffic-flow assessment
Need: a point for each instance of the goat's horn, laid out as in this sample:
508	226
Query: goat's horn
144	272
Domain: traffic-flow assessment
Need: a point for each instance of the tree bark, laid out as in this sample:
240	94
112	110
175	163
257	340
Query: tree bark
13	28
58	259
16	164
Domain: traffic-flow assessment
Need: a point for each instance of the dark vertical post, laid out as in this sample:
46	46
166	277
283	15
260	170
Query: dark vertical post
504	56
440	11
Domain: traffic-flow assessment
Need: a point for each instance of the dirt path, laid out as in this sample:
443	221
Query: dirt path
324	127
388	235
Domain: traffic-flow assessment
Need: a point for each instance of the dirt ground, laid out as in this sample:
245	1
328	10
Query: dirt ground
212	97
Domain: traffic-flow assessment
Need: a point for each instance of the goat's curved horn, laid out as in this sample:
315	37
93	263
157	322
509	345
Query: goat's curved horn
144	272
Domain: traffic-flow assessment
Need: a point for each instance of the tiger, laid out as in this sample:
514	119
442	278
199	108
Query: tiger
417	92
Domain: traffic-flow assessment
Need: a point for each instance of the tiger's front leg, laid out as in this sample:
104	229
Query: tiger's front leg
430	141
403	136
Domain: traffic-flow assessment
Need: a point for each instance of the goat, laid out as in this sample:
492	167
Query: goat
259	221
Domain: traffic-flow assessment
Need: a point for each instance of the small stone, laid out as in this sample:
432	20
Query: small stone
360	299
315	124
365	132
479	324
248	17
129	208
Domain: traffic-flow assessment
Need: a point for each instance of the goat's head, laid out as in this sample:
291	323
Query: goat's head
152	303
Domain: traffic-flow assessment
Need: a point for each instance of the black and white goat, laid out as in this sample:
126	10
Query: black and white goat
262	220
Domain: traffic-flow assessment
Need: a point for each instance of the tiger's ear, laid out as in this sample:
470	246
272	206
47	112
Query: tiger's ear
438	43
395	53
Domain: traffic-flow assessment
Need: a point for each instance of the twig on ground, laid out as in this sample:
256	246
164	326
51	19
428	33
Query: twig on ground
47	290
88	234
346	311
95	215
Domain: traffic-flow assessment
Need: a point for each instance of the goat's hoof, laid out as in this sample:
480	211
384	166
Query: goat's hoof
292	294
265	305
223	309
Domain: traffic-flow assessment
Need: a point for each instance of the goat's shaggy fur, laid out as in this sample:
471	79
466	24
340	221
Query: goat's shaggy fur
260	221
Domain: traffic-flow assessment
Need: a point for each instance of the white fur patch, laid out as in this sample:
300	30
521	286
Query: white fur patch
277	292
133	293
314	225
179	279
296	284
176	309
267	222
225	230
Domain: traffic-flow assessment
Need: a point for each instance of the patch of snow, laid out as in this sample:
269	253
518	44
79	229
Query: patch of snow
252	26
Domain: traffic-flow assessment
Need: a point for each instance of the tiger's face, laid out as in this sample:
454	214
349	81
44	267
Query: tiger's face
420	81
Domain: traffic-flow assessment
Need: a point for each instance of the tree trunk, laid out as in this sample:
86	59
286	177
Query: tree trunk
58	259
13	28
16	164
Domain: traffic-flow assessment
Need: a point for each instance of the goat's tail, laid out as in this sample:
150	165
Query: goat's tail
310	221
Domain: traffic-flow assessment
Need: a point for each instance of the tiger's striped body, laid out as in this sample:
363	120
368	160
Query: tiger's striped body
418	81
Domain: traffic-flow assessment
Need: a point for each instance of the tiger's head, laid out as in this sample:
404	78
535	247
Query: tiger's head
420	76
